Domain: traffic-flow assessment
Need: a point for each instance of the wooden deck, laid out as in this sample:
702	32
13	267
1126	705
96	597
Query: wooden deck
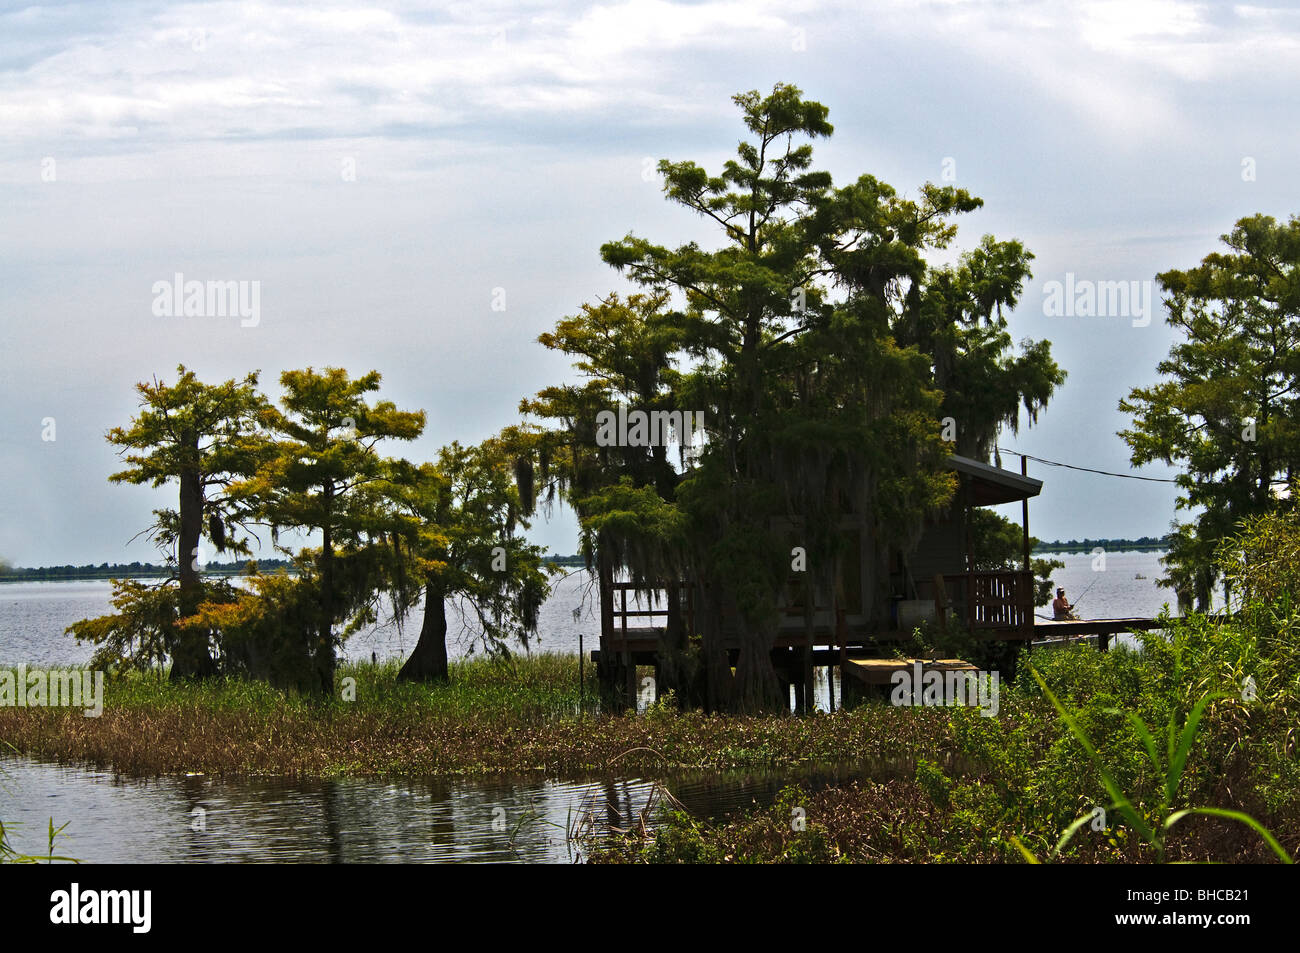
643	642
1064	627
1070	630
863	678
880	671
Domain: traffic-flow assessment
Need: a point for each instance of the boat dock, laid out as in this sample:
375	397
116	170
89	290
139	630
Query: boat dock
1103	630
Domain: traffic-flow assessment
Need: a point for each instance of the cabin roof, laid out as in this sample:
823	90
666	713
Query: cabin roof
992	485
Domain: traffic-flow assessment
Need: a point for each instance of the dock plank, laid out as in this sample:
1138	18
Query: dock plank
1054	627
880	671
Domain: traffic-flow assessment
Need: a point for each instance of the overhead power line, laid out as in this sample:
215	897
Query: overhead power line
1071	466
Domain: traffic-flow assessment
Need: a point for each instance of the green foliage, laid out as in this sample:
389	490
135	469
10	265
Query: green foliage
1262	560
680	839
768	837
204	438
823	350
270	631
664	708
327	471
934	782
464	545
145	628
10	855
1170	763
1226	410
323	472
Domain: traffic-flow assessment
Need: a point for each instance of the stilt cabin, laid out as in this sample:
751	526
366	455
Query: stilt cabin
936	581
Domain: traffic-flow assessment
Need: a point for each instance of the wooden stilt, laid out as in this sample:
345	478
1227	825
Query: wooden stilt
808	692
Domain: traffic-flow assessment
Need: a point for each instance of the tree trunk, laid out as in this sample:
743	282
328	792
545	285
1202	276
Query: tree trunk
758	689
674	670
323	660
720	685
428	662
189	651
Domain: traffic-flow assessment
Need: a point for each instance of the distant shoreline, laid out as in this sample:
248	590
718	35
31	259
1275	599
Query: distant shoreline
137	570
1086	550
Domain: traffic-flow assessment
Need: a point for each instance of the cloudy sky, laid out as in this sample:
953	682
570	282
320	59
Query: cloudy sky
382	170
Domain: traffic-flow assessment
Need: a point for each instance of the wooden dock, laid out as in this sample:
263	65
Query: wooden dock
862	678
880	671
1103	629
857	654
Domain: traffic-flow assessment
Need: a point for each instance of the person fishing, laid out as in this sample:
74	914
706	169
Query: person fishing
1061	608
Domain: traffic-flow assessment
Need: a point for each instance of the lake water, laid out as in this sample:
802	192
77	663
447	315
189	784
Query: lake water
34	615
201	819
204	820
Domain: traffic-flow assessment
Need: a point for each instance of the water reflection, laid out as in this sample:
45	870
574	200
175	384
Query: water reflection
201	819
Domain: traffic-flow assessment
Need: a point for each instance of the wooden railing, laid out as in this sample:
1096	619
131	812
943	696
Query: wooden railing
992	600
982	601
619	612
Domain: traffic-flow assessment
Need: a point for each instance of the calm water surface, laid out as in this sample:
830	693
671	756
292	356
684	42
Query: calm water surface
200	819
34	615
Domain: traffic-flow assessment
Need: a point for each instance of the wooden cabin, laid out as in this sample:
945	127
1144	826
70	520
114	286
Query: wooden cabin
935	581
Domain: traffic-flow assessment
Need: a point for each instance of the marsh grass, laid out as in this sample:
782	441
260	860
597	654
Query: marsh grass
1153	824
11	855
539	687
520	718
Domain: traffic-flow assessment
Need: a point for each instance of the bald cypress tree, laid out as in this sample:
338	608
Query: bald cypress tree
824	350
1227	407
327	475
203	437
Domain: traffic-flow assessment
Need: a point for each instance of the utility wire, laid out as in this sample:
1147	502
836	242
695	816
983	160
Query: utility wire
1070	466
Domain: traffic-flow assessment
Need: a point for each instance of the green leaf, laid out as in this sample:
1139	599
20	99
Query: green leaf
1238	816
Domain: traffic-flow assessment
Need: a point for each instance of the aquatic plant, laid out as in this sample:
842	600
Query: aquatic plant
1154	825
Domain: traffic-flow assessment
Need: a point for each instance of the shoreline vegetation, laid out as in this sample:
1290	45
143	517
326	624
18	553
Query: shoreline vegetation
929	783
138	570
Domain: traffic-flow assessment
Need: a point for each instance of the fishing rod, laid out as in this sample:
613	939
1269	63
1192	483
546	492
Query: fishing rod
1075	604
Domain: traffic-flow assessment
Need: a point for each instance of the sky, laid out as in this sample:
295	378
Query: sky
424	192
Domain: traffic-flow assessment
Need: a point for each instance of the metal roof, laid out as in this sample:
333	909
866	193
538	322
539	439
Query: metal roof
992	485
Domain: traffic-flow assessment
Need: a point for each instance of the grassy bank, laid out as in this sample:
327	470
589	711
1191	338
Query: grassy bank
518	718
1206	718
959	785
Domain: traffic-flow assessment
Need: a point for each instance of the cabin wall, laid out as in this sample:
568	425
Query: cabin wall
942	549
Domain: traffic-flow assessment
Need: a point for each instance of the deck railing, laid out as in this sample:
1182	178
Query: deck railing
634	607
982	601
620	613
992	600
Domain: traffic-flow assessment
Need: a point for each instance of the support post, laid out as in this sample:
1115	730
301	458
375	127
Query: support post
1024	511
808	693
